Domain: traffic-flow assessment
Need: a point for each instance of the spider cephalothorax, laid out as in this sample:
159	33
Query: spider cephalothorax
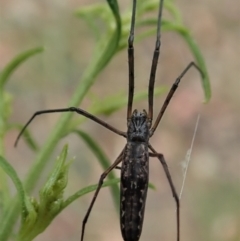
138	127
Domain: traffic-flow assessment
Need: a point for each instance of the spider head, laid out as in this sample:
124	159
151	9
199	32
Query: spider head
138	126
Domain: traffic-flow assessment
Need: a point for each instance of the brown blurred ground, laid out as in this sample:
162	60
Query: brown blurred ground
210	202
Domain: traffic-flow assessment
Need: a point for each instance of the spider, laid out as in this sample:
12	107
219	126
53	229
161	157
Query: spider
135	154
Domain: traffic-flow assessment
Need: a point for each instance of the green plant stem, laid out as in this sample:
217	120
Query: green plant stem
44	154
4	189
87	80
2	124
9	217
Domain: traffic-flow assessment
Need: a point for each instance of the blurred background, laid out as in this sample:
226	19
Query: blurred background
211	196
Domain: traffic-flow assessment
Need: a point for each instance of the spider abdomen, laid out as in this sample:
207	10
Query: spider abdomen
134	186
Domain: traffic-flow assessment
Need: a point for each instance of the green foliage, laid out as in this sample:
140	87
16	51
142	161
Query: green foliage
40	214
37	215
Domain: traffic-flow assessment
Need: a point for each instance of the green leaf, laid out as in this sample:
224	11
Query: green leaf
92	188
12	209
167	25
196	53
108	42
7	106
201	63
17	182
27	209
184	32
113	4
103	160
8	70
87	190
26	135
113	103
56	183
51	199
172	9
